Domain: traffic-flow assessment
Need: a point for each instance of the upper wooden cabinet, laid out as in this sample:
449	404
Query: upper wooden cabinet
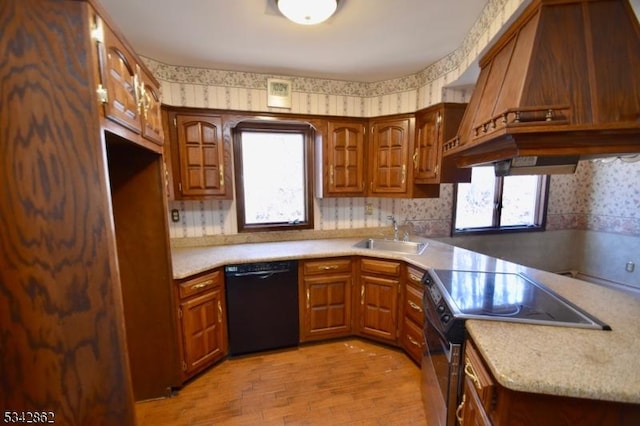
200	160
128	92
391	144
389	155
343	162
150	103
434	125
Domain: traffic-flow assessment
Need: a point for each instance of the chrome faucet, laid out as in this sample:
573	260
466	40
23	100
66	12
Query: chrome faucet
395	227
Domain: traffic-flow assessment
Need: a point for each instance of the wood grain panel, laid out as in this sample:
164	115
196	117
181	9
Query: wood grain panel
61	328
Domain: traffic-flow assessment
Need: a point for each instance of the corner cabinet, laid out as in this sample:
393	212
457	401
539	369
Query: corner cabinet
434	125
343	159
202	322
391	142
379	295
325	298
200	159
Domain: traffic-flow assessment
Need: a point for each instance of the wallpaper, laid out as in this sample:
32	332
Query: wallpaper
599	196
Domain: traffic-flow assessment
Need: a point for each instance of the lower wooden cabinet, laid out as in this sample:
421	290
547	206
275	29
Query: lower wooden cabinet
202	322
325	298
411	333
379	291
486	402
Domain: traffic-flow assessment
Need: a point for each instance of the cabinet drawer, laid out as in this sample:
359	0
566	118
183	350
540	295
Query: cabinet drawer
413	305
380	267
412	340
414	275
325	266
478	375
199	284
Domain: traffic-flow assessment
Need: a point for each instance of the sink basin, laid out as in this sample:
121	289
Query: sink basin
407	247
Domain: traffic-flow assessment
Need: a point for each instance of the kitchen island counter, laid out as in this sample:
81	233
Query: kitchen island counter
552	360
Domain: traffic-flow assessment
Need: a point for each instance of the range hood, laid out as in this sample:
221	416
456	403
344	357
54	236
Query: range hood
561	84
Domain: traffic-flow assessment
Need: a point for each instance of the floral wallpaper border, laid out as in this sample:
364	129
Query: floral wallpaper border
493	17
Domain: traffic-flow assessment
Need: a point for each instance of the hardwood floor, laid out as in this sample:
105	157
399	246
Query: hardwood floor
345	382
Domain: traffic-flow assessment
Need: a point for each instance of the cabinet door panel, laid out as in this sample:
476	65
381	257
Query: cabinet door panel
328	305
345	158
150	108
428	141
379	306
202	329
201	155
119	74
390	152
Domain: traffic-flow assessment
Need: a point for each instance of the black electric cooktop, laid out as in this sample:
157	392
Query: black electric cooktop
507	297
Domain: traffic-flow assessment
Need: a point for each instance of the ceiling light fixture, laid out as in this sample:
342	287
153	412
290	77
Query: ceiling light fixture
307	12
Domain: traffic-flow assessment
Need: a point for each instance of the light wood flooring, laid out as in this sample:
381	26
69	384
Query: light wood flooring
344	382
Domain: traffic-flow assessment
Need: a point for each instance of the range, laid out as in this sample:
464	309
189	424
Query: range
453	296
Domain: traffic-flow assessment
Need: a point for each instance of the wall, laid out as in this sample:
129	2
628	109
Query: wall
593	226
599	197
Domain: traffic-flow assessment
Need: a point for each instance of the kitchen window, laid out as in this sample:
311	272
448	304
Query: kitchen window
273	176
492	204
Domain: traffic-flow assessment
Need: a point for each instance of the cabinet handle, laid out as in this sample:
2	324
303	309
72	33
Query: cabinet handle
468	370
415	278
201	285
362	294
308	299
413	341
415	159
137	92
331	174
459	411
404	173
327	267
414	306
437	169
219	312
221	175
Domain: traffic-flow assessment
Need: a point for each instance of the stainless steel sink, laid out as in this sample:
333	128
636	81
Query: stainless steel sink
407	247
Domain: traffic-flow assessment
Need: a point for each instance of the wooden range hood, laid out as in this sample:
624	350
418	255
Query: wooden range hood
563	82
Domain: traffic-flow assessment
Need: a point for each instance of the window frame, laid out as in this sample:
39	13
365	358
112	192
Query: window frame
541	211
308	134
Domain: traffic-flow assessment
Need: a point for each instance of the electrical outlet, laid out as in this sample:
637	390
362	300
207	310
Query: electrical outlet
368	209
175	215
630	266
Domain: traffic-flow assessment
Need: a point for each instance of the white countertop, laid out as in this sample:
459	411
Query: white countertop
541	359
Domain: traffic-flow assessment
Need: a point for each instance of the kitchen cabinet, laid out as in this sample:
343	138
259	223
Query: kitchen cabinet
412	315
435	125
202	322
379	294
200	160
343	158
325	298
486	402
390	145
129	94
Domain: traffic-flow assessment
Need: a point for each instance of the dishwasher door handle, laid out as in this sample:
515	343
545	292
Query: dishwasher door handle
258	274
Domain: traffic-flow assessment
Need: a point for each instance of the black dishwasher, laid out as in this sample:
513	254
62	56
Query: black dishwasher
262	306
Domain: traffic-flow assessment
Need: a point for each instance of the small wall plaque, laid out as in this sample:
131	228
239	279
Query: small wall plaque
278	93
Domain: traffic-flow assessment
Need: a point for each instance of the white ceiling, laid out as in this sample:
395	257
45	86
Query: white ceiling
365	40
